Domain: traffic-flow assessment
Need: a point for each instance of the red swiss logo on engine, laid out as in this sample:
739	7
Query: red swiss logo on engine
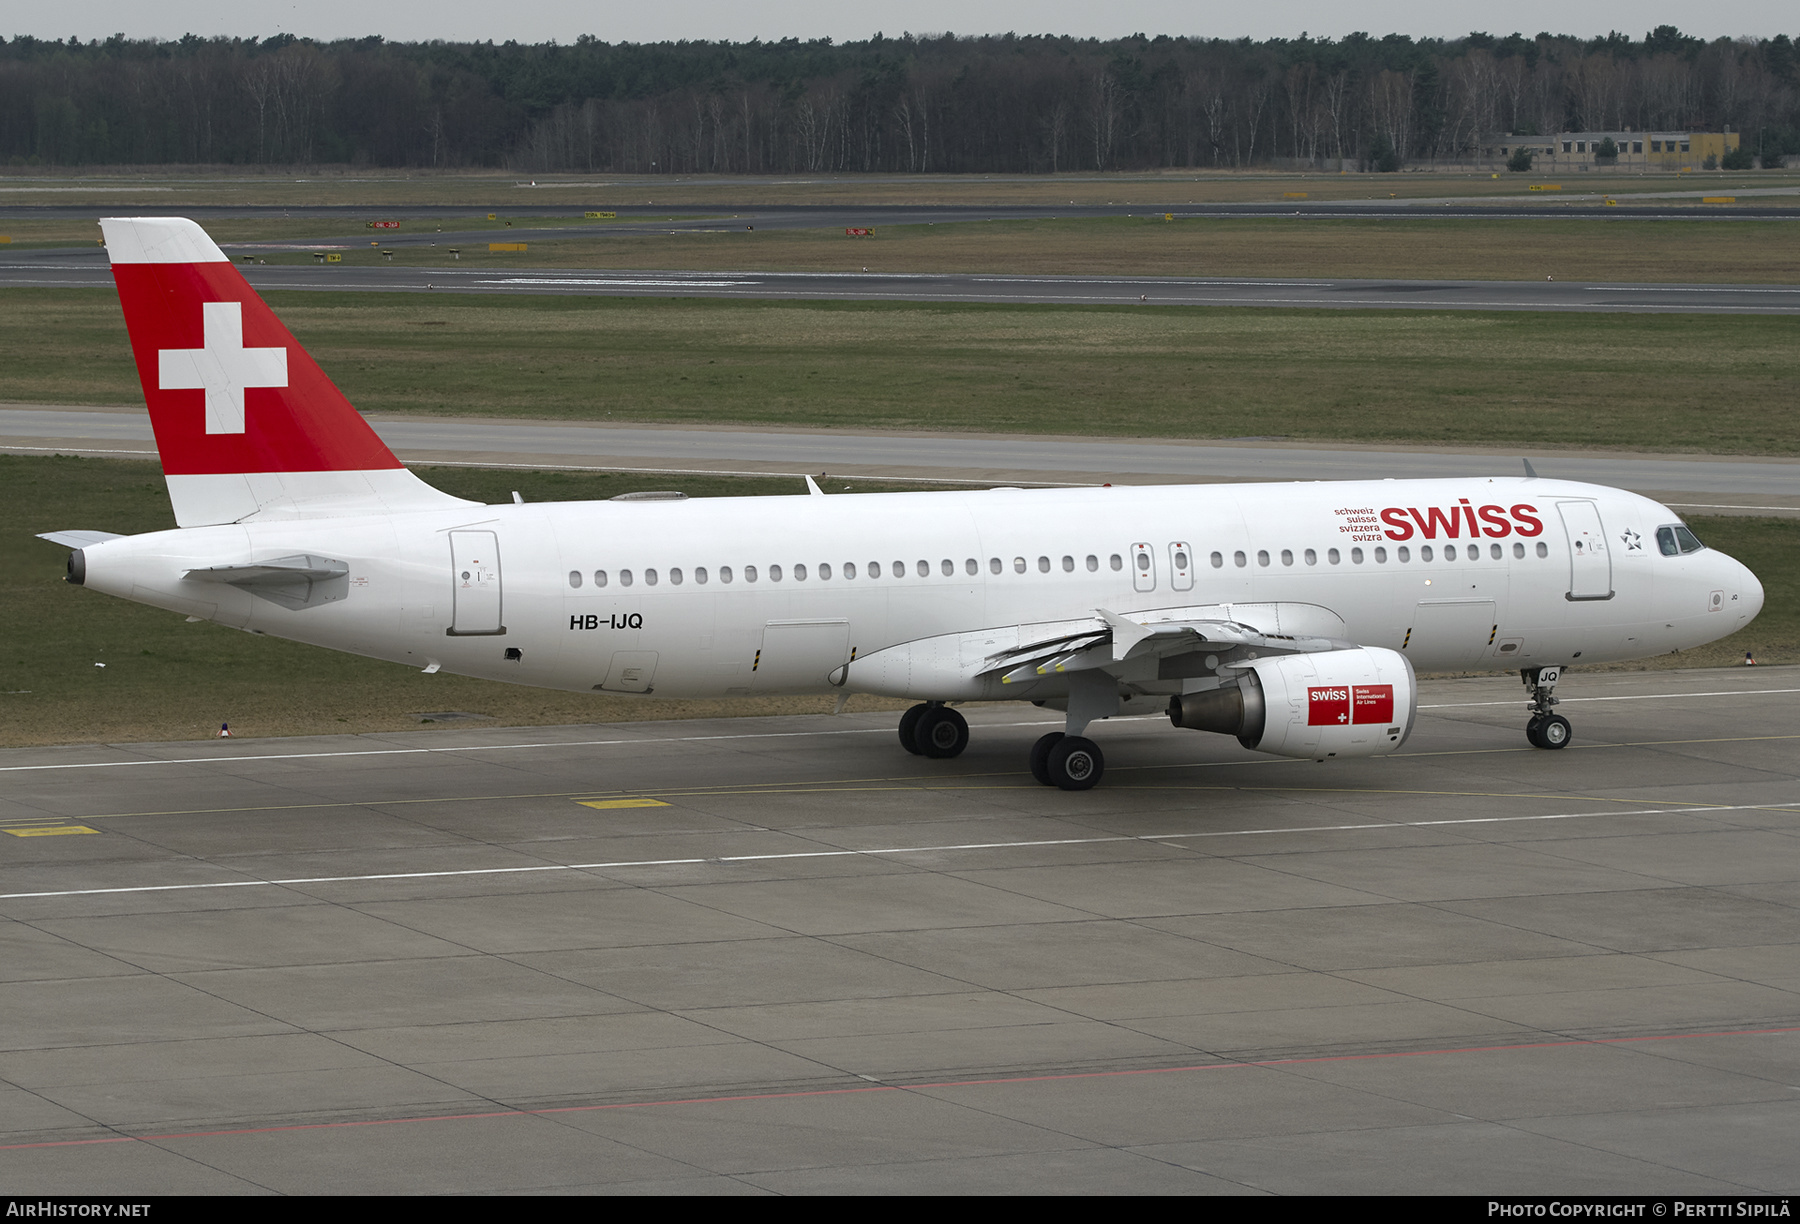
1340	705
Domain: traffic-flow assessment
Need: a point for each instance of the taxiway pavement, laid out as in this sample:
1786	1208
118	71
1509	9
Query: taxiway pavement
88	269
783	956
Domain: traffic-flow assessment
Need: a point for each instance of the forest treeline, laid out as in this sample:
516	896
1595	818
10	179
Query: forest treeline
920	104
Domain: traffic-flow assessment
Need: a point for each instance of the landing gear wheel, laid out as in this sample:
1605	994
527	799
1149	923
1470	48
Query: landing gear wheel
1040	757
1554	732
1075	764
909	722
941	733
1534	731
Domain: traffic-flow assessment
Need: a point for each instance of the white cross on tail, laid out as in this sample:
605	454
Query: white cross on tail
223	368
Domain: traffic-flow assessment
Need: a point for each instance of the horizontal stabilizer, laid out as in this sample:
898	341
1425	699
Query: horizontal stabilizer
280	570
299	581
79	539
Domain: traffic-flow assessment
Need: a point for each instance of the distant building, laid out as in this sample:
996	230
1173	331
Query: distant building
1577	151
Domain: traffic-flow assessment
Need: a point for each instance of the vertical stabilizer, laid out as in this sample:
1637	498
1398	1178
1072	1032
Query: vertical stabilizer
246	423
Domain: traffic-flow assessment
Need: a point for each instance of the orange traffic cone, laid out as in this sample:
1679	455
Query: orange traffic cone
224	730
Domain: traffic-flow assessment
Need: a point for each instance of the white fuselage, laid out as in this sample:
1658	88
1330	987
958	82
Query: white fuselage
712	597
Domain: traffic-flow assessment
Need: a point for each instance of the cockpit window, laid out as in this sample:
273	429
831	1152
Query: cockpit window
1677	540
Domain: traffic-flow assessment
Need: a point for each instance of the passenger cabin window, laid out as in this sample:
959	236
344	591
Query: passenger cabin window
700	574
1287	556
725	574
624	577
1332	555
1218	560
799	572
749	573
599	578
971	566
899	569
774	573
1043	565
1240	559
675	576
849	569
575	579
1118	562
1018	565
1093	564
994	565
947	568
1262	556
649	577
824	570
1356	556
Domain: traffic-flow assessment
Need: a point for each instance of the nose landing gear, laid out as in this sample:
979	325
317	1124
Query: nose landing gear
1544	729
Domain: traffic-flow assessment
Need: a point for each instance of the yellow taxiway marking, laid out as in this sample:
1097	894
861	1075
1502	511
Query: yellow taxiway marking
621	803
50	830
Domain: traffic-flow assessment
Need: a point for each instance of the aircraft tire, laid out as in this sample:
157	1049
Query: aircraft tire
1040	757
1534	731
1555	732
1076	763
941	733
909	723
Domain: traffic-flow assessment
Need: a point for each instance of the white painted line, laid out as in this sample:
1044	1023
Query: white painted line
957	848
1681	289
1466	705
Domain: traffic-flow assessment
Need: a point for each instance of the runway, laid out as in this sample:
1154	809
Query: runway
783	956
1709	485
83	269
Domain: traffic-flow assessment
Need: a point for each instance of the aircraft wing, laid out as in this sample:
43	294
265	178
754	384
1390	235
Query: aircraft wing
1120	644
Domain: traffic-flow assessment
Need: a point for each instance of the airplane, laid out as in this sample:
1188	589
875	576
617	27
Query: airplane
1294	617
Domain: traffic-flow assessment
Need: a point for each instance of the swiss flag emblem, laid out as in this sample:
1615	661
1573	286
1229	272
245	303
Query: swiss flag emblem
222	367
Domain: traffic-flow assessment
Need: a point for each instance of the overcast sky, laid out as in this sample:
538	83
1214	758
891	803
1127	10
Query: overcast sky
564	20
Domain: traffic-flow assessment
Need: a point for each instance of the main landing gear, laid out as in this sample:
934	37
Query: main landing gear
1544	730
1070	762
1067	761
934	730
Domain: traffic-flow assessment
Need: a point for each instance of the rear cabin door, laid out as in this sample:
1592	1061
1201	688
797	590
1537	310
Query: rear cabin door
475	574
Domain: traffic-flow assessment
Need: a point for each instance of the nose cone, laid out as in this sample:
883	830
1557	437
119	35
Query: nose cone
1750	594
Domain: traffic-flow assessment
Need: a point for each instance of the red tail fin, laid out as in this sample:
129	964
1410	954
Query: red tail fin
234	397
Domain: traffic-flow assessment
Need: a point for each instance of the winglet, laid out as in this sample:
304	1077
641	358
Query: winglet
1530	472
1125	634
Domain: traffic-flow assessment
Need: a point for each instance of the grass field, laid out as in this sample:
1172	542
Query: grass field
1680	383
166	679
298	187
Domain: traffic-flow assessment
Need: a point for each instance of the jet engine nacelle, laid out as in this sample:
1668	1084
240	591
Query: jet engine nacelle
1335	703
